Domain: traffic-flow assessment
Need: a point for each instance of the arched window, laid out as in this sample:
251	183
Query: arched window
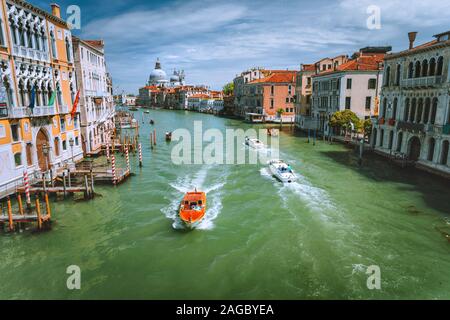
432	67
426	114
53	41
444	152
410	70
399	141
384	107
388	76
417	70
381	137
394	109
406	111
22	101
68	50
433	111
440	65
419	111
413	110
424	68
29	150
56	145
431	149
391	139
18	159
397	75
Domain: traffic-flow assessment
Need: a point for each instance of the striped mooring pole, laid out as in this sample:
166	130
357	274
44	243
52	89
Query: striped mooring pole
140	155
127	157
107	151
27	188
113	168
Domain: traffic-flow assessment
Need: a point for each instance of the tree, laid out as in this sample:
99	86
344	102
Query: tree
228	89
342	120
367	126
280	112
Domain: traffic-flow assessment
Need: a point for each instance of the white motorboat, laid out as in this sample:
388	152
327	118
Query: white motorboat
254	143
282	171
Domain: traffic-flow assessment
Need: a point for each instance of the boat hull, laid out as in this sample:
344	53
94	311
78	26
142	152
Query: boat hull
285	177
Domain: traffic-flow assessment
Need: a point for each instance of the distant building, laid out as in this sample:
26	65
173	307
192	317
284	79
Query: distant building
414	115
268	95
352	85
239	93
96	100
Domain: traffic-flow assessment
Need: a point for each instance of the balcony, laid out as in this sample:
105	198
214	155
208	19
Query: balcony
30	53
63	109
424	82
42	111
391	122
19	112
409	126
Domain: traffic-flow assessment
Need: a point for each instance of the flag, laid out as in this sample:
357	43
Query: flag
52	99
75	103
33	97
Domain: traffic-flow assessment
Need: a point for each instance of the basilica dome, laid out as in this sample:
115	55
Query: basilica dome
158	75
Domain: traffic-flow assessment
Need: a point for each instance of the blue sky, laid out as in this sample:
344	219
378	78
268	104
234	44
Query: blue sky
215	40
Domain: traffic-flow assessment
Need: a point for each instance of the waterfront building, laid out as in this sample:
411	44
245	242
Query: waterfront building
239	93
414	117
96	101
130	100
37	90
303	92
353	85
268	95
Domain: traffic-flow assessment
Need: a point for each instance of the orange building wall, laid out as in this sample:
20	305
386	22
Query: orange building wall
26	136
7	139
279	99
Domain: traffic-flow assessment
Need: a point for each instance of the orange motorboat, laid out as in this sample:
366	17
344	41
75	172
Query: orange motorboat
193	208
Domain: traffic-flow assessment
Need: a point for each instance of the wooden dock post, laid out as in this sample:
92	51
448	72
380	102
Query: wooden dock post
86	186
64	184
19	201
38	211
70	180
47	206
44	183
151	140
92	184
10	217
154	137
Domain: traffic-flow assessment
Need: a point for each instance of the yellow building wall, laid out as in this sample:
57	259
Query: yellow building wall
17	147
69	120
26	135
56	130
7	139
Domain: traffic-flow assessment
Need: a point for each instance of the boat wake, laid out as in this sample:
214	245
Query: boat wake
315	198
189	183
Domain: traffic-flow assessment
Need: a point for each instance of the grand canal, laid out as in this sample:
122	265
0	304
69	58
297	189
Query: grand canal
260	240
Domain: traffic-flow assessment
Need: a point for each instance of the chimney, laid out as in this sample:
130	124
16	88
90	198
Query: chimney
412	38
56	10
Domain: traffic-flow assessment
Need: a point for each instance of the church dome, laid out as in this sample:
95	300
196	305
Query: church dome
174	78
158	75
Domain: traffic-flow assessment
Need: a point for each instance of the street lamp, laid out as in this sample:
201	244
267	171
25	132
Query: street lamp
71	145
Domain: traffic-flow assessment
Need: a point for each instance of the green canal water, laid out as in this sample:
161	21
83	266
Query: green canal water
313	239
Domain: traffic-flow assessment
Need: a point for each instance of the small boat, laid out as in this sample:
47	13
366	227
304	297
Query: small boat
132	108
146	111
168	136
272	132
152	122
282	171
193	208
254	143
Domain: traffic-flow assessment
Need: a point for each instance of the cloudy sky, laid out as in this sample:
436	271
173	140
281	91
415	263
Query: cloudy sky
215	40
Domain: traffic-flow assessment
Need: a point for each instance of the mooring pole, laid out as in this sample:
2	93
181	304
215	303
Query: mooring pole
86	187
92	184
38	212
19	201
47	206
10	217
70	179
64	184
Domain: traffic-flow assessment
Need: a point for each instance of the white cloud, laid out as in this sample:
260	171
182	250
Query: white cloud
215	40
